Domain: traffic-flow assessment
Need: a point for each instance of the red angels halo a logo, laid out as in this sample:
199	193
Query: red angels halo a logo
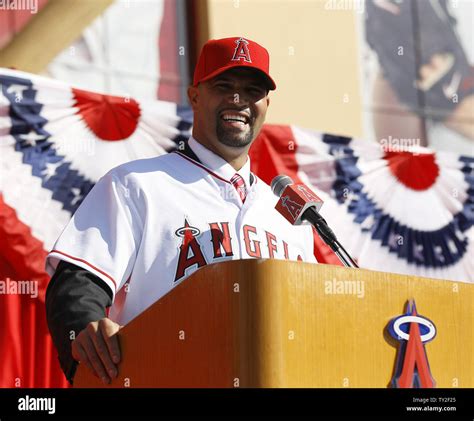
242	51
293	207
412	369
308	193
190	252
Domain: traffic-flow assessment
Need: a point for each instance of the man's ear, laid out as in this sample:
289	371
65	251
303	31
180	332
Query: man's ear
193	94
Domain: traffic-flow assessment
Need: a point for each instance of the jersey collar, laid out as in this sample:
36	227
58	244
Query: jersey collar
217	164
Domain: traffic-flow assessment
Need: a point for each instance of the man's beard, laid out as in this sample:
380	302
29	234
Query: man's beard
235	139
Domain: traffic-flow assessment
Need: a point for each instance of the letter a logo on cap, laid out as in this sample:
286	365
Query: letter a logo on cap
242	51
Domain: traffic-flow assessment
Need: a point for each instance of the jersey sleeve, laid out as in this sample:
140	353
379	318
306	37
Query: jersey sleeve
74	298
104	234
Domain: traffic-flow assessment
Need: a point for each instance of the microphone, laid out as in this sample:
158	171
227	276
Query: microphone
298	203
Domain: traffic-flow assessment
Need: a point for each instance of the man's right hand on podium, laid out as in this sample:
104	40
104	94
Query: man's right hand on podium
98	348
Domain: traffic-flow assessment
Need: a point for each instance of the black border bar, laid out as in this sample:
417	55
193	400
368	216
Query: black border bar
288	403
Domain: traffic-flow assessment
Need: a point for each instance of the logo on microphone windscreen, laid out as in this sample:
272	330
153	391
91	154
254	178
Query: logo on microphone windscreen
295	199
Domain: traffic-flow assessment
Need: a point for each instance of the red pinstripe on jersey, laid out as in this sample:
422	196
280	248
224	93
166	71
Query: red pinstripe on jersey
203	167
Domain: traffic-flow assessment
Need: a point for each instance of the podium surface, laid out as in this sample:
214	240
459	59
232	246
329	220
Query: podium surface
275	323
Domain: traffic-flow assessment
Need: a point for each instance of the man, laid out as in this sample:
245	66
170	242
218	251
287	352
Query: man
148	224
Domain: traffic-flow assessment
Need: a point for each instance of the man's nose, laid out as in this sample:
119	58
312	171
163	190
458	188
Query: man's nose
238	97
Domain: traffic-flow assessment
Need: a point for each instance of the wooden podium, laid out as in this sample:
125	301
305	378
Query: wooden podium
274	323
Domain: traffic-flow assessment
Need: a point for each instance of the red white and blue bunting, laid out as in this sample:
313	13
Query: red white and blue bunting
409	211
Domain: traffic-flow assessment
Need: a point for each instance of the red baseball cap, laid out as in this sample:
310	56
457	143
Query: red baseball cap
219	55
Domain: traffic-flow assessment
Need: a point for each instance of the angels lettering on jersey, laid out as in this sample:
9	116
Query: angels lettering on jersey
191	253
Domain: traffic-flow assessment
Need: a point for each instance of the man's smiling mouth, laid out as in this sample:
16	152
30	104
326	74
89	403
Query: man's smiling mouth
233	118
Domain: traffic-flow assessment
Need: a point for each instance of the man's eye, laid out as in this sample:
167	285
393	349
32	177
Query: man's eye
222	85
256	91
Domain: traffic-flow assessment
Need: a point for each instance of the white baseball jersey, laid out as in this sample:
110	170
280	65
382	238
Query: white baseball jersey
149	224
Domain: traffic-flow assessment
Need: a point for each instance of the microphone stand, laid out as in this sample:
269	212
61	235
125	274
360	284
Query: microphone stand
328	236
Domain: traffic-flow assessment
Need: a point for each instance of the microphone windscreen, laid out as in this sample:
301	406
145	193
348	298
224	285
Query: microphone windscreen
279	183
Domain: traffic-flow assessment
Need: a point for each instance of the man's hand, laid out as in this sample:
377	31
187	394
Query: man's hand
97	347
